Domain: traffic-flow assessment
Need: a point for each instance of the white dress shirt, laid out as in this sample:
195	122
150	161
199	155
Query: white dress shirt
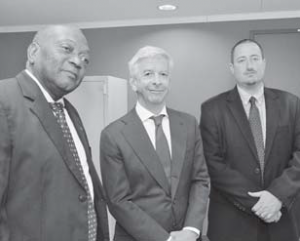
149	125
260	103
77	141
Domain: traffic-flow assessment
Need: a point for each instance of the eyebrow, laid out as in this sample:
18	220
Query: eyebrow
252	55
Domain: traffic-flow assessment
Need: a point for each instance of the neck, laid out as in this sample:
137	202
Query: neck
155	109
251	89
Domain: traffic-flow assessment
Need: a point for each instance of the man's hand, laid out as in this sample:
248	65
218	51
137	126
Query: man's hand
273	219
183	235
267	207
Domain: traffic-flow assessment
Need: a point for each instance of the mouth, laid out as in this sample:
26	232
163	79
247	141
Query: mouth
250	74
157	91
72	74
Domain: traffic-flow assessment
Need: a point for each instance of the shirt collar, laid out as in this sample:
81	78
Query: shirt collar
145	114
245	96
44	91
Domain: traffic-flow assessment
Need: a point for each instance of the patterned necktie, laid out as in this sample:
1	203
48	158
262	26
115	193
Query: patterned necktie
162	147
91	214
256	127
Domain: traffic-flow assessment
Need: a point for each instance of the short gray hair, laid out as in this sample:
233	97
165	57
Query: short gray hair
148	52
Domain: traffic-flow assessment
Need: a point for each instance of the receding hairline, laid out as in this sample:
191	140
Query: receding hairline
46	32
245	41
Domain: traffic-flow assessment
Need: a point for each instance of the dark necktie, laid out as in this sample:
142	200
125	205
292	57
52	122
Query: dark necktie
256	127
91	214
162	147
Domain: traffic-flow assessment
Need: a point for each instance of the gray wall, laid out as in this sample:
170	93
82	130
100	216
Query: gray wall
13	47
200	51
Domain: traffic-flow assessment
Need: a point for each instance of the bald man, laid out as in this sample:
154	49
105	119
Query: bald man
49	189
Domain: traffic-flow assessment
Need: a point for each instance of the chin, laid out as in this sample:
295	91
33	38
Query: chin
157	99
68	89
252	82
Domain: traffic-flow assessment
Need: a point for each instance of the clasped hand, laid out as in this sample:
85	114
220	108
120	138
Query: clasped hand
267	207
183	235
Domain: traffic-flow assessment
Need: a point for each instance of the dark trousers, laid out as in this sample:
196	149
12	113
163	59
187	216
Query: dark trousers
262	231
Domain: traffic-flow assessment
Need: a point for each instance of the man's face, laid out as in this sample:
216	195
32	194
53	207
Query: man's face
151	81
62	56
248	65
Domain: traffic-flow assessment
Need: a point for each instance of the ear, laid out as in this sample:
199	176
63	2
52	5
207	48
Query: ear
231	67
132	82
264	64
32	51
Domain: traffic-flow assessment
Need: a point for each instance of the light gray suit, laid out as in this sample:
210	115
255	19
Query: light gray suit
139	194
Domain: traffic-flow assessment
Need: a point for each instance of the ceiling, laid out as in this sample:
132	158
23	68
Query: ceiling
21	15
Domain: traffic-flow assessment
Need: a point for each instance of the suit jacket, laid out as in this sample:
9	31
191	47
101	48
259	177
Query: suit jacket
42	196
234	166
145	206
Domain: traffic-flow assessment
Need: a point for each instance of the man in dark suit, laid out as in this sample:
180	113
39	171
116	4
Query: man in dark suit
49	189
154	174
251	139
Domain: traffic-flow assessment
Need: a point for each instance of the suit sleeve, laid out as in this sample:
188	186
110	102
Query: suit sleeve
287	185
228	181
134	220
5	156
200	183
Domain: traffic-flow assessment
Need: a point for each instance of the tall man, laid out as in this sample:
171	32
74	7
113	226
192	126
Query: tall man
251	137
49	189
153	168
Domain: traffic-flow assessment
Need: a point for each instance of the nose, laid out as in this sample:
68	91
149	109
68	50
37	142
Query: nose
249	64
156	79
76	61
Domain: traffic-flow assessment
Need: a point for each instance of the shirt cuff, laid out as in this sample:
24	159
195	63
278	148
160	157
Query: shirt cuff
169	239
195	230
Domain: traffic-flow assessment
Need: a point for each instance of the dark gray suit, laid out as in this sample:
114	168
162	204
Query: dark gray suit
234	167
41	193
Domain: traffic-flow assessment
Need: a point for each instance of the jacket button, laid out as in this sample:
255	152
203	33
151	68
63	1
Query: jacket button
82	198
257	170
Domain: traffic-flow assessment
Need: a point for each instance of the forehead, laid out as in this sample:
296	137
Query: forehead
247	49
153	61
63	34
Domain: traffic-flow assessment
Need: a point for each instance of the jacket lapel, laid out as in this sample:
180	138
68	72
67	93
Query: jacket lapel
237	110
179	137
40	107
84	140
78	126
272	117
137	137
